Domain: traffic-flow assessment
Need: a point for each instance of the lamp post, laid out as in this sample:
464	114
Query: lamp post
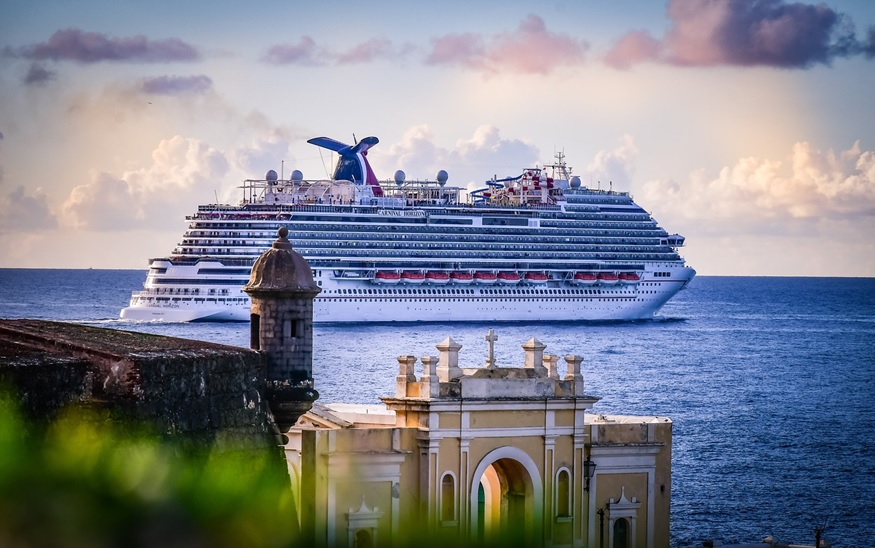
601	513
588	472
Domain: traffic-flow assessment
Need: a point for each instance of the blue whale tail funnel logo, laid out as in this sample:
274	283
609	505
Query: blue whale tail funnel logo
353	162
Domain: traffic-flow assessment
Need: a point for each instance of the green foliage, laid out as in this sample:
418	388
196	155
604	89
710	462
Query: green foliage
84	481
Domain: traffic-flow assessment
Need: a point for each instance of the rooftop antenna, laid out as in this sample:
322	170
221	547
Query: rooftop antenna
818	533
354	140
216	195
282	169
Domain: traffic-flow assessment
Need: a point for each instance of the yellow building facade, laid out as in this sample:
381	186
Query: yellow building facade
482	455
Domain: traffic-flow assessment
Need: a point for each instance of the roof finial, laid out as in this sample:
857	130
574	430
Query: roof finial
282	241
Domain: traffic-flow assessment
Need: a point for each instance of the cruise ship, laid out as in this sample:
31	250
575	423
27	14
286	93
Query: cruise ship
539	246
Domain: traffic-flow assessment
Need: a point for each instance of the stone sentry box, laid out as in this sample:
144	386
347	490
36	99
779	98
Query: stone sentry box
282	290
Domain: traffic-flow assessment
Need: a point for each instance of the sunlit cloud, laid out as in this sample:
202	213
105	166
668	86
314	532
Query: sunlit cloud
469	162
531	49
614	166
182	170
177	85
759	193
743	33
266	152
81	46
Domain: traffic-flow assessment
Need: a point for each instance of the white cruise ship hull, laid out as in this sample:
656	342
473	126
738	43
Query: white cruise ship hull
451	303
537	247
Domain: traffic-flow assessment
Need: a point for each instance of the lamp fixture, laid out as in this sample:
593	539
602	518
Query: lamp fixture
588	472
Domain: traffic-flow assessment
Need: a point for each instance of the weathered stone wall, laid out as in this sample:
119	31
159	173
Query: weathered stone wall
204	392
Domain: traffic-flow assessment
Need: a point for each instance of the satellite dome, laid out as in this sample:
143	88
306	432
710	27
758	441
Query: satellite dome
297	176
574	182
399	177
442	177
270	175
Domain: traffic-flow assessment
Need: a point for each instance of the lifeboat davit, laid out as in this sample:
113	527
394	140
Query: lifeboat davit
608	278
508	278
386	277
485	278
536	277
583	278
628	278
436	277
461	277
412	277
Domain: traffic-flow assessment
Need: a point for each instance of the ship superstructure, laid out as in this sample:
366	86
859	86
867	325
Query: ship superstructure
539	246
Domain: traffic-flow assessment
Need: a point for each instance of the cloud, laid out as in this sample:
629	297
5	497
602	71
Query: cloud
20	212
92	47
869	44
613	166
635	47
177	85
530	49
758	194
38	75
305	52
465	49
183	171
742	33
263	154
470	162
366	51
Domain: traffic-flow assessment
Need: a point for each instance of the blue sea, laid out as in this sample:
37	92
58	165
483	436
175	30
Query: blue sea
769	383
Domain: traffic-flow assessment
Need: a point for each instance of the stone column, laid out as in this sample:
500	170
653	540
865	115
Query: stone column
448	366
574	373
551	361
430	384
405	375
535	356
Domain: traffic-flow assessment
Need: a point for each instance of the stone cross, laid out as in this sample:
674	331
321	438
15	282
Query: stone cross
490	337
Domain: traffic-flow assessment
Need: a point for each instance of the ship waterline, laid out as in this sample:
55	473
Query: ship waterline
539	246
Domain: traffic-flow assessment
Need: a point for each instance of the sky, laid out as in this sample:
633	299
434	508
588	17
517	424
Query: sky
746	126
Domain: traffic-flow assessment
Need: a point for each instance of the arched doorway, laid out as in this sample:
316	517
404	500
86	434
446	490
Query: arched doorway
506	498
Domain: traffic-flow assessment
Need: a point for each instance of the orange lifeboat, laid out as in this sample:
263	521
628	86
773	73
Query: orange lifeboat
461	277
508	278
386	277
583	278
485	278
437	277
608	278
628	278
412	277
536	277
